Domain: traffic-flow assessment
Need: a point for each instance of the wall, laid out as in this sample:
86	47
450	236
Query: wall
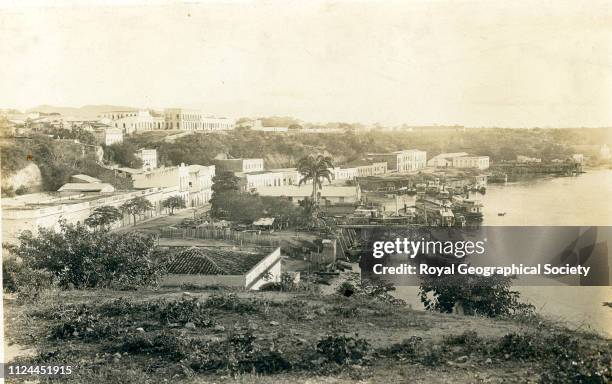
272	264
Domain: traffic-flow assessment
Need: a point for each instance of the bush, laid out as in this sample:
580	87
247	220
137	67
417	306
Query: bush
342	349
28	283
479	295
77	257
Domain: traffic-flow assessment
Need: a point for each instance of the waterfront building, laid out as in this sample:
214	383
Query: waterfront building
402	161
479	162
328	195
444	160
367	168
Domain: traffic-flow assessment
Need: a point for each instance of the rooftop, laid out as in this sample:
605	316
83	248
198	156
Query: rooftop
86	187
209	261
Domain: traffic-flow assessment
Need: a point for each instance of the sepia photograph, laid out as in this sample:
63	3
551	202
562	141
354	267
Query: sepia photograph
322	191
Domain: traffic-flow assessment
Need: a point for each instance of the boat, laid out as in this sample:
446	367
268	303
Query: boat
501	214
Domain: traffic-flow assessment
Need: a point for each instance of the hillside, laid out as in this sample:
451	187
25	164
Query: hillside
285	337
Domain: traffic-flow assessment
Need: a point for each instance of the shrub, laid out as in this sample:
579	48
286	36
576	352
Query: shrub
341	349
489	296
28	283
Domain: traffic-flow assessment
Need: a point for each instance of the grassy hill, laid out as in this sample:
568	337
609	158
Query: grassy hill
225	336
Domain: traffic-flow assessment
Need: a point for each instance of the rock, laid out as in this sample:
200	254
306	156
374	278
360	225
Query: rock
320	311
488	361
300	340
117	355
190	325
462	359
219	328
186	294
140	329
369	324
274	323
75	334
253	326
507	356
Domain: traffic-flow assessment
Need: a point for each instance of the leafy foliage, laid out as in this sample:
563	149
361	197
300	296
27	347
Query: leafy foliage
103	216
123	154
342	349
136	206
173	202
80	258
315	169
488	296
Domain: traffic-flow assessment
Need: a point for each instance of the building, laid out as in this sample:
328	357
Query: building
604	152
291	176
479	162
108	136
444	160
240	165
345	173
459	160
328	195
367	168
148	158
527	159
271	129
87	188
254	180
402	161
29	212
134	121
578	158
200	184
196	120
210	266
84	179
164	177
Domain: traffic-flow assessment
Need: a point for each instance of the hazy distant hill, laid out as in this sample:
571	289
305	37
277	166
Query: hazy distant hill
87	111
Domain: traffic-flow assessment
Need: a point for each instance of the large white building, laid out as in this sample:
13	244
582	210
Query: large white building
29	212
479	162
134	121
194	182
459	160
240	165
195	120
402	161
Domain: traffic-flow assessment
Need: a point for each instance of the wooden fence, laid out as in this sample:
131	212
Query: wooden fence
224	234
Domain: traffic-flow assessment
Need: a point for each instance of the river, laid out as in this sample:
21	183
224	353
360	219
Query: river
582	200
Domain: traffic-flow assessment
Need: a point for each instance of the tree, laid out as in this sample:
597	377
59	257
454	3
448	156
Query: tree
80	258
136	206
102	217
173	202
123	154
315	169
225	182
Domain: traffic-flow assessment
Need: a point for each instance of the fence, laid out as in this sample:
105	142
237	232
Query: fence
225	234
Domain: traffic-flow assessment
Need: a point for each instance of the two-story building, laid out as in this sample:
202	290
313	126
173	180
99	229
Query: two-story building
402	161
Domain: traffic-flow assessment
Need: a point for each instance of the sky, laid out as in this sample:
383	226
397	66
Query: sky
476	63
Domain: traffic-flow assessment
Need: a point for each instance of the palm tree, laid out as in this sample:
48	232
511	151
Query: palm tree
316	169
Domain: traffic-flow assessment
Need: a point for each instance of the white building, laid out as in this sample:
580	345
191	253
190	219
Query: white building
135	121
402	161
29	212
527	159
345	173
578	158
200	184
444	160
479	162
195	120
108	136
148	158
328	195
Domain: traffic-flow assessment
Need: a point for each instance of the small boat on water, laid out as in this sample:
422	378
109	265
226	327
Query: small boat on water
501	214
